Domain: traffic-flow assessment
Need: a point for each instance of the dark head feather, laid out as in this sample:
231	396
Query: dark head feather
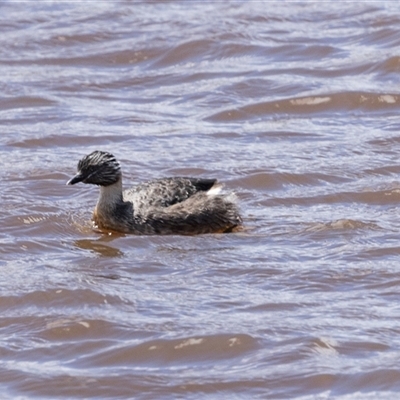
98	168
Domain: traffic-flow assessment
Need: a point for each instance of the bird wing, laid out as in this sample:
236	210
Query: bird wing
166	192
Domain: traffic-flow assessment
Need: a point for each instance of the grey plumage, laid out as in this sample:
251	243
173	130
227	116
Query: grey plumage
176	205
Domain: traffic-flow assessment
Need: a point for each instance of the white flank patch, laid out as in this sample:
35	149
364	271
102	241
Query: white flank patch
216	189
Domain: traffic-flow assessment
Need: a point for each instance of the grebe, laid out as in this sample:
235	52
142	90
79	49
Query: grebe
177	205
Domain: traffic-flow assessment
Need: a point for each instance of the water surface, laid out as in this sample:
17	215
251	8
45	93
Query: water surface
294	106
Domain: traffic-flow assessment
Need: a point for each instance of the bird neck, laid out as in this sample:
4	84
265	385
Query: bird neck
110	196
111	212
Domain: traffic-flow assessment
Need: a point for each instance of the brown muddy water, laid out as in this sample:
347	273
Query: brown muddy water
295	106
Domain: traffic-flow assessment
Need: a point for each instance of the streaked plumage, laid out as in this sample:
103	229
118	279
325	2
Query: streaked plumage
177	205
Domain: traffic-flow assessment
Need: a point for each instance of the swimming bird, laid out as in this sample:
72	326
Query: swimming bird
175	205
